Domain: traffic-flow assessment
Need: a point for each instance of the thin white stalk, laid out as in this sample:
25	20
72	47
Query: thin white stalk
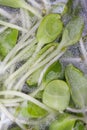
13	20
26	97
12	69
34	67
10	116
83	50
16	48
12	26
24	68
28	19
22	15
48	65
23	20
5	13
77	110
18	56
4	123
21	43
47	5
2	29
15	100
3	109
44	55
71	59
39	46
43	72
35	4
33	10
11	105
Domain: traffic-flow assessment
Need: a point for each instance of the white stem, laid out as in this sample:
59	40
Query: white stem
71	59
48	65
44	55
33	68
83	50
3	109
12	26
11	105
25	67
11	100
76	110
5	13
18	56
23	20
13	20
39	46
28	19
33	10
21	43
2	29
26	97
37	5
42	73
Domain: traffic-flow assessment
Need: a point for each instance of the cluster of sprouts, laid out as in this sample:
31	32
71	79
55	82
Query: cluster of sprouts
27	52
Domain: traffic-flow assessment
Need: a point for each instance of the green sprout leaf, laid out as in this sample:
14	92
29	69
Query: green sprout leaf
64	122
33	79
72	32
79	126
78	85
53	72
20	4
33	111
56	95
7	41
15	128
50	28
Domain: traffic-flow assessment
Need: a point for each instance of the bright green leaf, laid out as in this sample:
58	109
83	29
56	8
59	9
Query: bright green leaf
33	111
72	32
53	72
8	40
64	122
79	126
56	95
49	29
78	85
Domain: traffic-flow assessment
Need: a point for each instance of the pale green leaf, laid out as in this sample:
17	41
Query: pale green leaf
64	122
49	29
72	32
56	95
78	85
8	40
